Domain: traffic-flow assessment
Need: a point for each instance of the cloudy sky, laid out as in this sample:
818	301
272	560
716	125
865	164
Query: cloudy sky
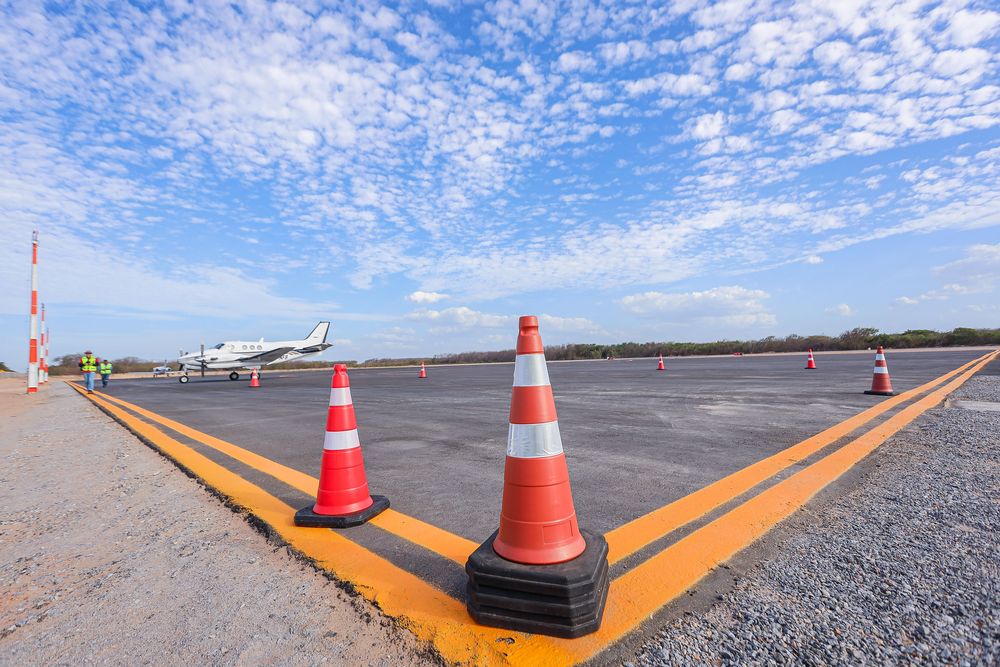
422	174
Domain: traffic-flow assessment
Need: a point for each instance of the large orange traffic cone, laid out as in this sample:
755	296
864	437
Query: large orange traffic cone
342	499
539	572
660	367
881	384
811	362
254	378
423	371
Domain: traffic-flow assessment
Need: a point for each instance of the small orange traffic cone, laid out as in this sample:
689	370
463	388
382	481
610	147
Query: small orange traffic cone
539	572
881	384
660	367
423	371
811	363
342	499
254	378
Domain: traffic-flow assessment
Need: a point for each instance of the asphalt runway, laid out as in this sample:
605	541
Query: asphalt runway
635	438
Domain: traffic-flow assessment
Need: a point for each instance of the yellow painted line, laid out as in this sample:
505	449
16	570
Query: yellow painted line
429	613
421	533
638	533
640	592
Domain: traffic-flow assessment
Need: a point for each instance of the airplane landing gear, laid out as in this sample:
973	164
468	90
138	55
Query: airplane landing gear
183	379
234	376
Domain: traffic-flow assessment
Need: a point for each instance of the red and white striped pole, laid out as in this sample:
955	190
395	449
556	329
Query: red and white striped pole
41	350
33	342
48	338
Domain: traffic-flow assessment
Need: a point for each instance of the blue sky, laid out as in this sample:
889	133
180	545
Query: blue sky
422	174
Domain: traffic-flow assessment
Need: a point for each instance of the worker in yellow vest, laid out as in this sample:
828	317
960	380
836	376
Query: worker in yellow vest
88	364
105	368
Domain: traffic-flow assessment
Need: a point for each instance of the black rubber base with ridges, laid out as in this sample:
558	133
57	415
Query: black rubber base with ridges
880	393
562	600
307	518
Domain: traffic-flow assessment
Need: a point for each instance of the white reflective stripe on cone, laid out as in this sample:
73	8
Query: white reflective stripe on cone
341	439
881	370
879	357
340	396
530	370
532	441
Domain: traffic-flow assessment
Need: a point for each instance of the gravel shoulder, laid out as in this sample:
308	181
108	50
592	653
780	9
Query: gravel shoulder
898	564
109	555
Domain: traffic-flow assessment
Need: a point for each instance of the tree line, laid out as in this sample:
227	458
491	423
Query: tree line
856	339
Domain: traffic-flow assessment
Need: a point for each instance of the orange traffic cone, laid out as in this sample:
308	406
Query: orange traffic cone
881	384
423	371
539	572
254	378
342	500
811	362
660	367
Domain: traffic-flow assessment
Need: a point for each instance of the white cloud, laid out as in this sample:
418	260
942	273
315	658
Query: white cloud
730	305
708	126
461	317
425	297
575	61
813	259
843	310
907	301
578	324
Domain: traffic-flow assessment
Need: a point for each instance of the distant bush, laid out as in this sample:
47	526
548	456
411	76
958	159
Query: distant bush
855	339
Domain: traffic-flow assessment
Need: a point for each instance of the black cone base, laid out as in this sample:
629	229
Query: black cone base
308	518
880	393
562	600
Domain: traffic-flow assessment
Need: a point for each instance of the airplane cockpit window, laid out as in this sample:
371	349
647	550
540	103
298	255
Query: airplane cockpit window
218	347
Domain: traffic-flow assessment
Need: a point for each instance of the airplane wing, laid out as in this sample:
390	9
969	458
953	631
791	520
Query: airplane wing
267	357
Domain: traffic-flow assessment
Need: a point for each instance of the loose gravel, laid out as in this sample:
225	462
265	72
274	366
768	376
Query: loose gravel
110	555
904	568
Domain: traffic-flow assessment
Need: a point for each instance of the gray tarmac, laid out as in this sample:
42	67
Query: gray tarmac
635	438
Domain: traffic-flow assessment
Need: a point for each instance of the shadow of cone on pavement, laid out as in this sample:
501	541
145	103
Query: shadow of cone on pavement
342	499
539	572
881	384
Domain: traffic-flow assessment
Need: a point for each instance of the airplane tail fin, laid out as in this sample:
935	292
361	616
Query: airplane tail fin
318	334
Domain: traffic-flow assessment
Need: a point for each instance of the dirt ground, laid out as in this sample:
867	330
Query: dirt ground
109	554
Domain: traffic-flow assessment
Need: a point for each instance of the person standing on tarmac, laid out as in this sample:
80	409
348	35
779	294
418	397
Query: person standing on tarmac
105	368
88	364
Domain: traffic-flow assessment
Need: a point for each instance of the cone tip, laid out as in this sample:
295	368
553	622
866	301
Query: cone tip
527	322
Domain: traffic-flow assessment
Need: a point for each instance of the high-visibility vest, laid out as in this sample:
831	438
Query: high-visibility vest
89	364
105	368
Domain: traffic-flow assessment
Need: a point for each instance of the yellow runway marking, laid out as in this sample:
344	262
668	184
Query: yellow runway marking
638	533
633	597
421	533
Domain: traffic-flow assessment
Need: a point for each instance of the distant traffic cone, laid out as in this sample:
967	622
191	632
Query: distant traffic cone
254	378
423	371
881	384
539	572
660	367
811	363
342	499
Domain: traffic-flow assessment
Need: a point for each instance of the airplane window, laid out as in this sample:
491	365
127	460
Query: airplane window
260	347
218	347
244	347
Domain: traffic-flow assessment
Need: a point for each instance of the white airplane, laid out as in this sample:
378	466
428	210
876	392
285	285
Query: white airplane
239	354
